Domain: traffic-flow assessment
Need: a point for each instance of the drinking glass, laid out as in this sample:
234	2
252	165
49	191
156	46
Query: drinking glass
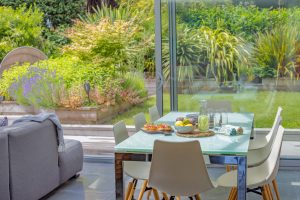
224	118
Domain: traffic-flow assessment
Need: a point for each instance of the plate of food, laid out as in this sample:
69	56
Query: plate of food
157	128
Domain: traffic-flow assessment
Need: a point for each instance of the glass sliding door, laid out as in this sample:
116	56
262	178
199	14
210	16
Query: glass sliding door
241	56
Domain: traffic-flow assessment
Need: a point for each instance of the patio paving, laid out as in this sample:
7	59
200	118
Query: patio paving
97	183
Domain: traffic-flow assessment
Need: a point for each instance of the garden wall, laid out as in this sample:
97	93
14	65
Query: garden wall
84	115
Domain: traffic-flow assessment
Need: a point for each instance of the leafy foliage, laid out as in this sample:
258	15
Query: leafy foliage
59	12
189	54
140	47
276	49
226	54
118	44
207	52
58	82
244	21
123	12
20	27
38	87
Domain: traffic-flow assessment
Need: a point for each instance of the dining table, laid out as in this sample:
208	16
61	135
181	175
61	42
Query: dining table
221	148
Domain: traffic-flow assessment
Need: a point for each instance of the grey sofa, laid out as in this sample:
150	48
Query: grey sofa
30	165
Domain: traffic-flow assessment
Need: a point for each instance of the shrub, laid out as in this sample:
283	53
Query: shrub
59	12
189	55
107	43
123	12
244	21
207	52
277	49
226	54
60	82
38	87
20	27
140	49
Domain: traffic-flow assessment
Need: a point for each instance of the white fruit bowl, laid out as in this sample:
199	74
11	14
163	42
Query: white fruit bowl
184	129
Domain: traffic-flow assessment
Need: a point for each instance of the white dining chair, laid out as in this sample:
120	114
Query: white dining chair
261	141
257	156
178	169
259	177
138	170
139	121
154	114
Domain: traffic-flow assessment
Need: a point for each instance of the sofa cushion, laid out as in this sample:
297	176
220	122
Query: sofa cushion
71	160
33	153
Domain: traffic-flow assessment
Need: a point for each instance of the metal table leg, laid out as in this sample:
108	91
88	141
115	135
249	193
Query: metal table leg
241	162
242	177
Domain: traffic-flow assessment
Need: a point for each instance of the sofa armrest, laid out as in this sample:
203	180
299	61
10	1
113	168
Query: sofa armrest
34	170
71	160
4	166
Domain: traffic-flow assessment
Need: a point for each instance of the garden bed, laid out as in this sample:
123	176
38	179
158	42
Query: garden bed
83	115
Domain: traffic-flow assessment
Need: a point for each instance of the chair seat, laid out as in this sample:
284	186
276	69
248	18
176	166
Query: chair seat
256	176
259	141
137	169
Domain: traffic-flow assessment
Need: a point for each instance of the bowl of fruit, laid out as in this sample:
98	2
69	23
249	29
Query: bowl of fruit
184	125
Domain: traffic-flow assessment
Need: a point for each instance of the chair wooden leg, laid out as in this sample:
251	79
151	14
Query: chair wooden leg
129	188
131	193
165	196
149	194
197	196
276	189
143	188
228	168
178	198
270	192
231	194
265	193
155	193
234	196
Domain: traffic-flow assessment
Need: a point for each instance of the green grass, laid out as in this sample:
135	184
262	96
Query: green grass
128	115
262	104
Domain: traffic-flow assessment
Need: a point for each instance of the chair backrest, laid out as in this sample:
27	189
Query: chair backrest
266	150
271	165
120	132
219	106
277	122
139	121
178	168
154	114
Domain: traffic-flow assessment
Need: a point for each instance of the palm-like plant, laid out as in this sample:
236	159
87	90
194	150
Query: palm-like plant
188	55
226	54
278	49
123	12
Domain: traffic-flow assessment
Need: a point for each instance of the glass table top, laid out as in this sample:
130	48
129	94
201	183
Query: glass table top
218	144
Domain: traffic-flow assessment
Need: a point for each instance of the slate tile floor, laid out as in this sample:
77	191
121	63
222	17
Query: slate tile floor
97	183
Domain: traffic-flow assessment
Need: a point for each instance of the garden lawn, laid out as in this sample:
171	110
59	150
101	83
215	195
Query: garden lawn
262	104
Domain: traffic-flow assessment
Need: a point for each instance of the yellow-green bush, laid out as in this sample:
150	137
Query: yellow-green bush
20	27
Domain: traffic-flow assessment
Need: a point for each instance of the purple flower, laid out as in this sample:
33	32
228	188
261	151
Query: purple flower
28	83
